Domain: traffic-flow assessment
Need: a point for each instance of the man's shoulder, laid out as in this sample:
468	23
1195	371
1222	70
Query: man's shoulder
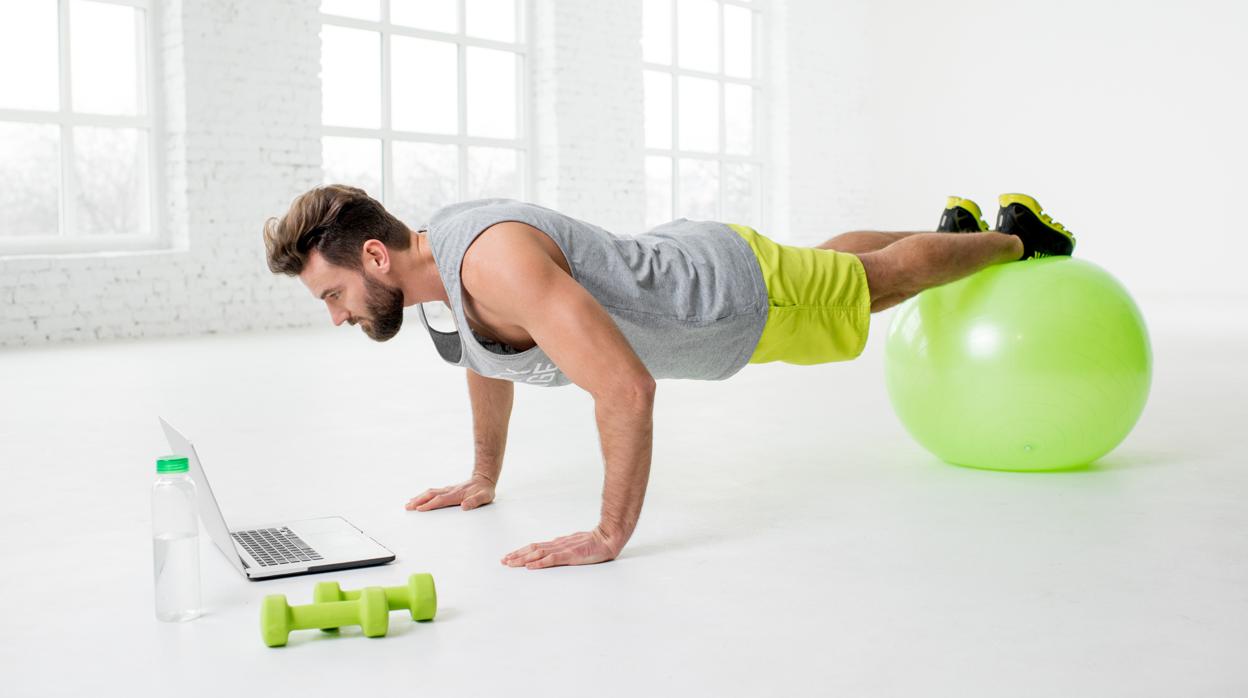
502	245
443	215
501	255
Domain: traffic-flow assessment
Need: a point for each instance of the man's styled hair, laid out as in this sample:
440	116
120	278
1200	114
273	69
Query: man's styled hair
335	220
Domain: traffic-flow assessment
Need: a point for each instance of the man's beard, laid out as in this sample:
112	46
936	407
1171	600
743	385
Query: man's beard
385	309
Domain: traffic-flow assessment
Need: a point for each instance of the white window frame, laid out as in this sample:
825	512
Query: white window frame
69	239
523	142
760	152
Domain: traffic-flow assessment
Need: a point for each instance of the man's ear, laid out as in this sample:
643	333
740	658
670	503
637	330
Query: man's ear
375	256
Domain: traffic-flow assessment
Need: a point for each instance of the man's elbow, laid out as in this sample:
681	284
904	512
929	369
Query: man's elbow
644	388
638	390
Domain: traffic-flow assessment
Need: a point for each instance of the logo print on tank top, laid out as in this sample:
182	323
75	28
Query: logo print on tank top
541	373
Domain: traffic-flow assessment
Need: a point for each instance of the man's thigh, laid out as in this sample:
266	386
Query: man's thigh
819	306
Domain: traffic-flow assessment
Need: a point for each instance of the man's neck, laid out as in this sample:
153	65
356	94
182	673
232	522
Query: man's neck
421	281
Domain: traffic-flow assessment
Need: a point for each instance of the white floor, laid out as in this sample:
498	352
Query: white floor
794	540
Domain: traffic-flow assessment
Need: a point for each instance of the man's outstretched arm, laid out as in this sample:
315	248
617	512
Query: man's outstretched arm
507	272
491	400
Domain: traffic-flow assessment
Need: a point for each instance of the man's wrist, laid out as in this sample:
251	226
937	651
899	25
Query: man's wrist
493	480
614	535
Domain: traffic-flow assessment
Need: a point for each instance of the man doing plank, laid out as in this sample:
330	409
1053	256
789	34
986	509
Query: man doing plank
542	298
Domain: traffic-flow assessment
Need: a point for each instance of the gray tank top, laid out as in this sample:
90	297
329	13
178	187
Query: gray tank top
688	296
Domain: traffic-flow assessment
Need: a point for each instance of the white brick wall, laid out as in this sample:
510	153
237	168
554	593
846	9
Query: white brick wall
241	139
587	87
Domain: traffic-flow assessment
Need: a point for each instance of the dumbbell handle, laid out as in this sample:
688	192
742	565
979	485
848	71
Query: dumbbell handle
322	615
397	598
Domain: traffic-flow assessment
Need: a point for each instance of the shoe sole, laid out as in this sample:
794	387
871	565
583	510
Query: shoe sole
955	202
1007	201
1032	205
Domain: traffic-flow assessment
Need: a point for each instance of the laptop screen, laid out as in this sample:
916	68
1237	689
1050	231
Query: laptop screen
209	512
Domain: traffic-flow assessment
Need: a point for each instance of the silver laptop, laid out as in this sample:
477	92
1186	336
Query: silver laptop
278	550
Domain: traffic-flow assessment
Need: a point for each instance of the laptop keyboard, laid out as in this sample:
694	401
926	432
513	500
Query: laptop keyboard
275	546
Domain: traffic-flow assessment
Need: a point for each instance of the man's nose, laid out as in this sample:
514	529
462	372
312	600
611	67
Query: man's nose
339	316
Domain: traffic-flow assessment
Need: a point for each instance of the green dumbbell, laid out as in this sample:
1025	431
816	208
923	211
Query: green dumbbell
368	610
418	596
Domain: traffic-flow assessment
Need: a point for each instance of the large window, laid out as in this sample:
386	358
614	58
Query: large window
424	100
704	156
77	141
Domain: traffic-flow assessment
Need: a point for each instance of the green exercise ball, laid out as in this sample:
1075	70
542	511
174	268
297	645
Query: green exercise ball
1042	364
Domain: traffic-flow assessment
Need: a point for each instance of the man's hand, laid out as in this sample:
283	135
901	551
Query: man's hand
583	548
468	495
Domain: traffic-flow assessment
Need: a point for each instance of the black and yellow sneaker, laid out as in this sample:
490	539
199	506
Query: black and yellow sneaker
961	216
1041	235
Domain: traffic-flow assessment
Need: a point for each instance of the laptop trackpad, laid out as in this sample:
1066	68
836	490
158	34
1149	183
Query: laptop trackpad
334	538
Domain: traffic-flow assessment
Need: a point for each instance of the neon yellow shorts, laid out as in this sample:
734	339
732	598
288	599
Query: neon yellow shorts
820	305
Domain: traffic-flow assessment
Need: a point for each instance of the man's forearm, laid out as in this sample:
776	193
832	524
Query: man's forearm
491	399
626	429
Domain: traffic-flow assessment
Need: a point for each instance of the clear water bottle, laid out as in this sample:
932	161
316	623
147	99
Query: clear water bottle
175	541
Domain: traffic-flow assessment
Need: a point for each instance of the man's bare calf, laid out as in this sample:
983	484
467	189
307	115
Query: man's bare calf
900	265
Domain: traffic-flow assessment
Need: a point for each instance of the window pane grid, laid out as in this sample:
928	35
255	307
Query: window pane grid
687	167
108	129
490	155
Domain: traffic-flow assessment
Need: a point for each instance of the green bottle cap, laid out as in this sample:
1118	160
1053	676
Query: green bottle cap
172	464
